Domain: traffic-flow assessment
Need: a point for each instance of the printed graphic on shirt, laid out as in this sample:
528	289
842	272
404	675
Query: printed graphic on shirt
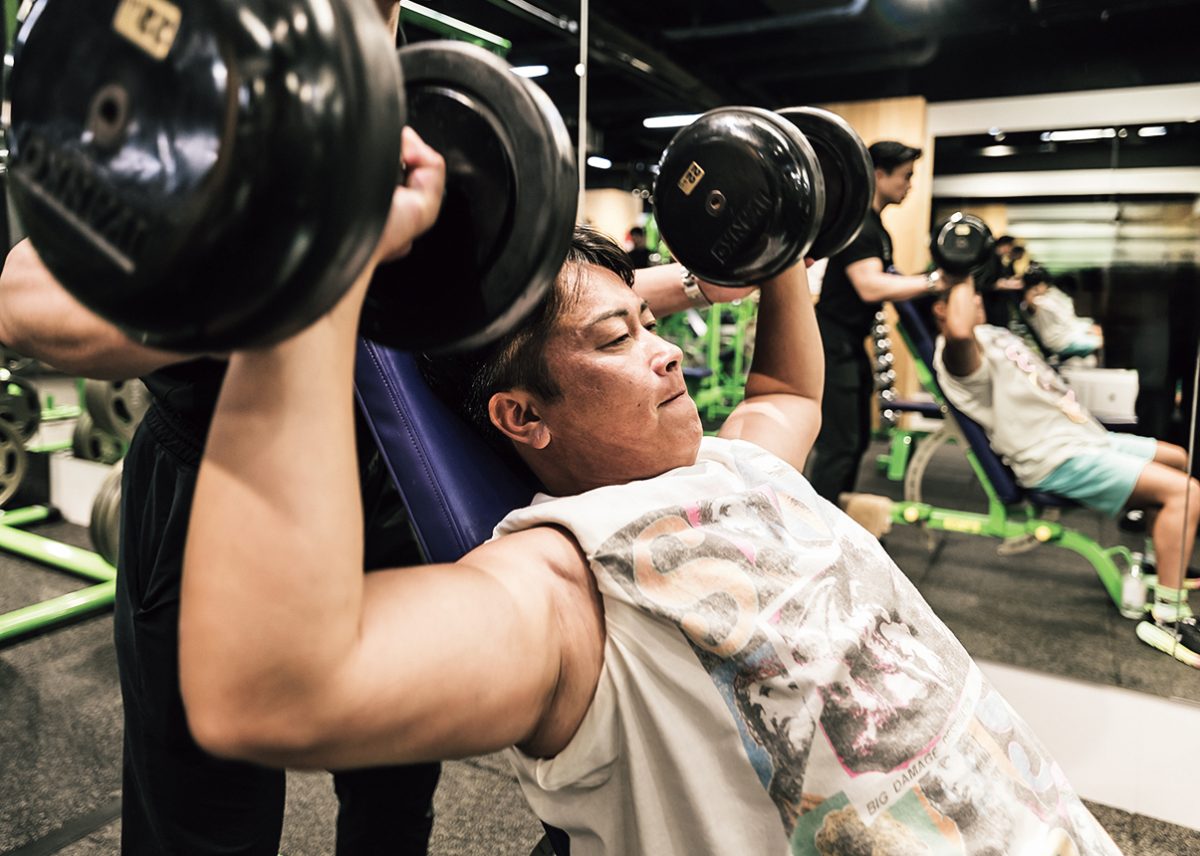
861	714
1039	373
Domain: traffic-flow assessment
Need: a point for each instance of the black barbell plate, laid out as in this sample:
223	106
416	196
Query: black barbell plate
739	195
960	243
205	175
20	406
848	172
14	462
116	406
507	215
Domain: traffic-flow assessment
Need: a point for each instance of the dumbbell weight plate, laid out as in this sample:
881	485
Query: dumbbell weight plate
848	173
961	243
89	443
205	175
19	404
739	195
508	212
14	462
116	406
105	524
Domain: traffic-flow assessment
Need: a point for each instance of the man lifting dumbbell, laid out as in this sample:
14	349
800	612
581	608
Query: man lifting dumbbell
684	617
857	281
178	798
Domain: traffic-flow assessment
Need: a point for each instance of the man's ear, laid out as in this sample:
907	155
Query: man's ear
517	415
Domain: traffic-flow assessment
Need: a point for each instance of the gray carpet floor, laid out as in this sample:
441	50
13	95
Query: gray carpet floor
60	729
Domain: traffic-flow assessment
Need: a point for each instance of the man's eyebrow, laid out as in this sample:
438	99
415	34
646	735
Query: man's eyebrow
616	313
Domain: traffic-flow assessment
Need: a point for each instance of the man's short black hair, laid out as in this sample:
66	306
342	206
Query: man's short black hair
636	231
889	154
467	381
1005	239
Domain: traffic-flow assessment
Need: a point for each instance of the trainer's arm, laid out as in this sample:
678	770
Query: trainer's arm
961	355
782	408
874	284
661	287
41	319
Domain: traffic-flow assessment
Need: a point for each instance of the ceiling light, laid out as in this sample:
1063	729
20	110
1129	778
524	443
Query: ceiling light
1152	131
599	162
677	121
997	151
1077	136
531	70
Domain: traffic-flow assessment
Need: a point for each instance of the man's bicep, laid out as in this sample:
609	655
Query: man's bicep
453	660
784	425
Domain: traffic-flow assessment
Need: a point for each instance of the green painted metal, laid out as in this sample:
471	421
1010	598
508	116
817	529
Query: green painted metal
48	614
453	28
54	554
1052	533
901	446
25	516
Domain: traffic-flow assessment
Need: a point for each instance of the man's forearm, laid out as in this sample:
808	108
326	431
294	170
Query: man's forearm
788	354
961	312
40	319
273	579
882	286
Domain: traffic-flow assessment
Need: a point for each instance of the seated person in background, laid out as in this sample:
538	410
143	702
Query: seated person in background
689	651
1038	428
1051	314
998	283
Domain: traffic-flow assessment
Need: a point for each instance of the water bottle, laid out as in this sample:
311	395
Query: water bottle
1133	589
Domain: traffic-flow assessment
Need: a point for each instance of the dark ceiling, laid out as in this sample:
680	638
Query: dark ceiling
674	56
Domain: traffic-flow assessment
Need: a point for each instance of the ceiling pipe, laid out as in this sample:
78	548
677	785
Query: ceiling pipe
775	22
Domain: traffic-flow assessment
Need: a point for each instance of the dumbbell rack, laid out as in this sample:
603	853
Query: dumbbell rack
28	621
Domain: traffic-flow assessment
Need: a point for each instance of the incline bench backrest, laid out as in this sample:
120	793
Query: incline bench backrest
456	487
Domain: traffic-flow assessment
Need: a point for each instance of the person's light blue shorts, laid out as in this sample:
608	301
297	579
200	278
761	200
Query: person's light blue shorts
1103	480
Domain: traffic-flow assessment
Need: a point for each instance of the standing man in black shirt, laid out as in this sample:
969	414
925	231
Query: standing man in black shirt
857	281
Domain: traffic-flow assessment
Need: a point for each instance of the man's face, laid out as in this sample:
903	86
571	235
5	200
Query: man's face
625	412
894	186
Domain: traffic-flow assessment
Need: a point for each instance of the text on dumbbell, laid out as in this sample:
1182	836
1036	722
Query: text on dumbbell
691	178
66	183
749	220
150	24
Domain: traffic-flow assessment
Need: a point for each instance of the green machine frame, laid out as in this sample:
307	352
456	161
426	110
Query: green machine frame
58	611
1020	526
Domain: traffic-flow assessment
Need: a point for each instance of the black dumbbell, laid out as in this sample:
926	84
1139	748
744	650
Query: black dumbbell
744	193
961	244
214	175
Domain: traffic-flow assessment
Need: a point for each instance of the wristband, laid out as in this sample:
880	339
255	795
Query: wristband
933	282
691	288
